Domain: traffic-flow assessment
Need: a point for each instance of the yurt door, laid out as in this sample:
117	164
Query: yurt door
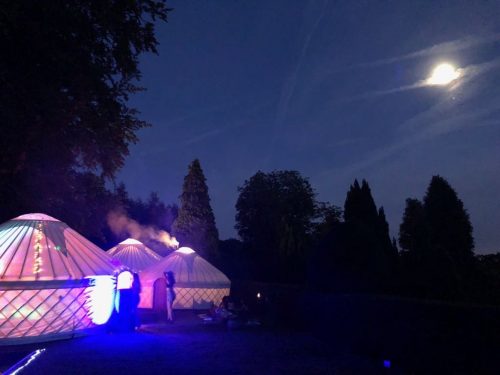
160	295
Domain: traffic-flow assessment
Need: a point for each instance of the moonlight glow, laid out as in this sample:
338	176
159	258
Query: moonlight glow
443	74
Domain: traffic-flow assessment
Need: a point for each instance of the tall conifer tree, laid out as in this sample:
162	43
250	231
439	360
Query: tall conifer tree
412	231
450	238
449	225
436	237
368	250
195	225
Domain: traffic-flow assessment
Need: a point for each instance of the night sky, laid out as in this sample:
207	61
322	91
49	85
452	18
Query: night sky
333	89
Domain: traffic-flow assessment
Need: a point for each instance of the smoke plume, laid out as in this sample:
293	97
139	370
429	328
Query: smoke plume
120	223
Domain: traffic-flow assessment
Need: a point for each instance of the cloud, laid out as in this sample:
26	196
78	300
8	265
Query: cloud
441	48
467	74
203	136
455	111
289	85
242	121
373	94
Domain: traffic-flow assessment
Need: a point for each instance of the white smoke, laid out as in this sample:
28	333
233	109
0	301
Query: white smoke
120	223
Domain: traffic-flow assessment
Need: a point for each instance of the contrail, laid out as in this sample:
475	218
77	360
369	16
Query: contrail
290	84
372	94
446	47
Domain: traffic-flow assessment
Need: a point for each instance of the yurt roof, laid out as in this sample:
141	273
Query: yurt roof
40	247
190	270
134	254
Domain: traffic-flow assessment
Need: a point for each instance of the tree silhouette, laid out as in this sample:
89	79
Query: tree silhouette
195	224
449	227
449	236
358	254
412	231
66	73
275	213
436	238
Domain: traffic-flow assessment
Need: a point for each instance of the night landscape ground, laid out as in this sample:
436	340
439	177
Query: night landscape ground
336	335
191	347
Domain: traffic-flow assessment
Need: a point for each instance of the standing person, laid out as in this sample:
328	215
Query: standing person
136	297
170	294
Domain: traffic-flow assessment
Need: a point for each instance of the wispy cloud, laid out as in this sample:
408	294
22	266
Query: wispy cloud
203	136
441	48
197	113
454	112
244	120
467	73
439	128
289	85
372	94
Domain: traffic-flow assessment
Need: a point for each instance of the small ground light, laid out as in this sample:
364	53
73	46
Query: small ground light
258	295
387	363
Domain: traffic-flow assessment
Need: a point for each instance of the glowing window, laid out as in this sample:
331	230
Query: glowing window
125	280
100	295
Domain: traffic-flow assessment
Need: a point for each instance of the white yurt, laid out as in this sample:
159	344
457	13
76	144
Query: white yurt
198	283
49	278
134	255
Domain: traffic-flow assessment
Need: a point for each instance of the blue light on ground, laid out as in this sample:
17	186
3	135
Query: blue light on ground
23	363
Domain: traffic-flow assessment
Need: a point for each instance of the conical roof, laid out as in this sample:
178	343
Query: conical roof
190	271
134	254
40	247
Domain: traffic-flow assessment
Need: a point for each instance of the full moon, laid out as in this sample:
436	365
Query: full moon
443	74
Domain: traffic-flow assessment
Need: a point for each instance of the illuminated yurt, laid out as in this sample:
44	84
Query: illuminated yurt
54	283
134	255
198	283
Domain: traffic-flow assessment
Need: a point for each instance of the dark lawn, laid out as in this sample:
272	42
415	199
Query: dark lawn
190	347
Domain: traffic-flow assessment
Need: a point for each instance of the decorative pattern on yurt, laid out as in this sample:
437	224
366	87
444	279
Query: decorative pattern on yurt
48	277
134	254
198	283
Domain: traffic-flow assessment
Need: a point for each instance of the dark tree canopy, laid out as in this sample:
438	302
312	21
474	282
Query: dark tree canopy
412	231
359	205
436	238
367	229
152	212
276	216
66	73
276	211
195	225
234	261
449	227
356	254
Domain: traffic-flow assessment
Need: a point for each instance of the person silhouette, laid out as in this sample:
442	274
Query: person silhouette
136	298
170	295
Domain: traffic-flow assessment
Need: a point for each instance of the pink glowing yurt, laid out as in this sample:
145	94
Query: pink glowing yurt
198	283
54	283
134	255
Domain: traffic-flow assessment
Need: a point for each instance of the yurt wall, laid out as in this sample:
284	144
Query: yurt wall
48	277
198	283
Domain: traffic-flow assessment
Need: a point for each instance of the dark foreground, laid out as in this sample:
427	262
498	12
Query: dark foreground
191	347
322	334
